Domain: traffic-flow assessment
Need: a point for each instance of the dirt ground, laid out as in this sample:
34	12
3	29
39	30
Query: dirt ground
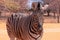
51	31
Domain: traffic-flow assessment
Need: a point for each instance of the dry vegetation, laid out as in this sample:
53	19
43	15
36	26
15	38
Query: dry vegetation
14	5
9	5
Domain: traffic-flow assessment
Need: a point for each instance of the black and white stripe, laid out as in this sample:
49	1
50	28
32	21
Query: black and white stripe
24	27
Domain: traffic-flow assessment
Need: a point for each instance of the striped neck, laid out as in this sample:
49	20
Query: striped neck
33	33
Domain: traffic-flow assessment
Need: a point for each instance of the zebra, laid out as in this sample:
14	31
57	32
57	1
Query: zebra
25	27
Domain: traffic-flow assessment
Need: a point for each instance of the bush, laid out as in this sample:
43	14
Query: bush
11	5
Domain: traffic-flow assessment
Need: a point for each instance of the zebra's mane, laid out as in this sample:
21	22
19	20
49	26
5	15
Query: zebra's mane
23	14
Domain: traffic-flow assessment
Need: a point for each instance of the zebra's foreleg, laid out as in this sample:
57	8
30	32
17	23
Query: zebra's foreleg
12	37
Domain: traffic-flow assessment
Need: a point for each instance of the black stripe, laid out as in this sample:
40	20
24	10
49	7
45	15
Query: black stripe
8	20
33	29
30	27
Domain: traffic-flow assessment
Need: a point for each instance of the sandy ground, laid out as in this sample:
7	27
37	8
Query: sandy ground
51	31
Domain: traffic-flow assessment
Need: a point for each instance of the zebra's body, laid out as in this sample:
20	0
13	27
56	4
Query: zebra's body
26	27
18	27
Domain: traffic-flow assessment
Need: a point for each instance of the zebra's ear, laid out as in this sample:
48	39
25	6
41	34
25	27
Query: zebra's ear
36	5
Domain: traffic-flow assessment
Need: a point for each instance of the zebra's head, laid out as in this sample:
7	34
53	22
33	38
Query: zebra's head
36	22
32	4
36	18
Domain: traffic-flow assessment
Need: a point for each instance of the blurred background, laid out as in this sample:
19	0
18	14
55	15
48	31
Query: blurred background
51	17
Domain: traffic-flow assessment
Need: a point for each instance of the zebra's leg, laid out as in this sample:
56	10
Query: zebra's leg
17	39
11	36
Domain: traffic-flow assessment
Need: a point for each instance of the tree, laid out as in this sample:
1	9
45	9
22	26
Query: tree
11	5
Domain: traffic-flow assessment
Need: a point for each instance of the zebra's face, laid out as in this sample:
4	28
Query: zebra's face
36	23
